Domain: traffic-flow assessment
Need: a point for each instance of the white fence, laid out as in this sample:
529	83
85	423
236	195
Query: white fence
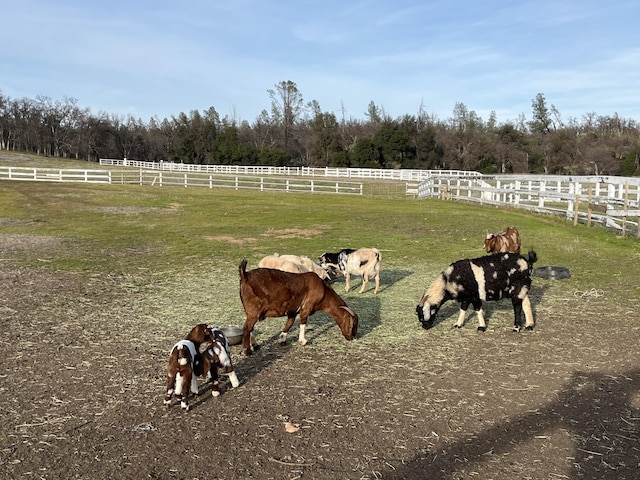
331	172
610	201
182	179
55	175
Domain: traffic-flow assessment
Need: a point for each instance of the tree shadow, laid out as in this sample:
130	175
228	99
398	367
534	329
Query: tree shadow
599	412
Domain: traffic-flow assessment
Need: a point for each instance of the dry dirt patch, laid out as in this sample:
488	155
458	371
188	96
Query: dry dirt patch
293	233
84	360
20	241
231	240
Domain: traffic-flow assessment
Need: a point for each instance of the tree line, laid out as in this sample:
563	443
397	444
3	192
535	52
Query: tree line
295	133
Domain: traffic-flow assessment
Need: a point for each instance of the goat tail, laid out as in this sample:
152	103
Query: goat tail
242	268
533	257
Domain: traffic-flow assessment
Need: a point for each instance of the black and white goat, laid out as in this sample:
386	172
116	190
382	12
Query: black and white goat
472	281
331	261
362	261
217	354
182	377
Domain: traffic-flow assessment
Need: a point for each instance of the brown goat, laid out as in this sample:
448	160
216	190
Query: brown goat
181	373
265	292
507	241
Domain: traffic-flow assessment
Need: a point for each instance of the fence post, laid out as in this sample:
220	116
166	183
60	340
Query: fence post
543	188
575	210
626	206
589	209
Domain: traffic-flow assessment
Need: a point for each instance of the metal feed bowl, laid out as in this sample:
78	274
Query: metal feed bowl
233	334
552	272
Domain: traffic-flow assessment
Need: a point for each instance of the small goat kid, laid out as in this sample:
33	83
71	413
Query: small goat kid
472	281
362	261
181	373
217	354
184	361
507	241
265	292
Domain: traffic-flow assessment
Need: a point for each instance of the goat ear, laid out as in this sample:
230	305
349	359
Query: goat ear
351	312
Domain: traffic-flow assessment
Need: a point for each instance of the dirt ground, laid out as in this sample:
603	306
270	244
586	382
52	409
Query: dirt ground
83	379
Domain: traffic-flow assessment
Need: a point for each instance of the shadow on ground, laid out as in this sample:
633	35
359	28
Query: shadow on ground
599	413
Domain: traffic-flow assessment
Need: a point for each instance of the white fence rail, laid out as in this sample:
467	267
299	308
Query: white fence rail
55	175
182	179
610	201
331	172
248	182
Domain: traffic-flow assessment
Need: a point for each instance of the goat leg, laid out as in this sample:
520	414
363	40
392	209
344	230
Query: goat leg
517	314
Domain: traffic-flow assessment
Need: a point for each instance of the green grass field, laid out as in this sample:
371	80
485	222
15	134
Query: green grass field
188	242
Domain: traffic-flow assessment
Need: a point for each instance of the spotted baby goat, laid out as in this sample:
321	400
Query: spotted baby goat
472	281
217	354
185	365
181	373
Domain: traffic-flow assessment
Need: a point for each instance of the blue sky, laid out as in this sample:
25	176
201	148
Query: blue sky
160	58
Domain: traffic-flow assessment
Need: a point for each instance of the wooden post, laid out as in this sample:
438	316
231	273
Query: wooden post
575	210
589	210
626	206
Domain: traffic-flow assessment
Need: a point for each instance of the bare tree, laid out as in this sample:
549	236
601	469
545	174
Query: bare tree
286	106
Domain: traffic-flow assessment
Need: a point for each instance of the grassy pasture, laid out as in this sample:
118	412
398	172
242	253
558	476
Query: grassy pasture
191	240
125	266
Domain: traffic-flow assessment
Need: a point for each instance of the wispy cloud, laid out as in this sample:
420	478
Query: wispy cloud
162	58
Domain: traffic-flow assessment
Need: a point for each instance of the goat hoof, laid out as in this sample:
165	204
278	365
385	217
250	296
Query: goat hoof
482	329
529	328
246	352
458	327
516	329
